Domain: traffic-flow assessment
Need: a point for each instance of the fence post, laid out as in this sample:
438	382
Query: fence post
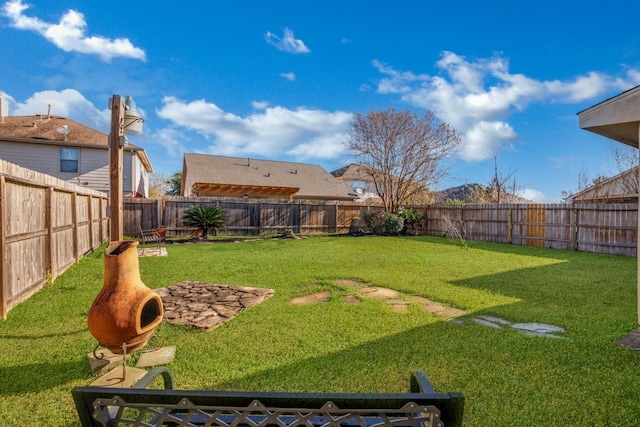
48	223
510	226
74	230
574	229
90	217
3	248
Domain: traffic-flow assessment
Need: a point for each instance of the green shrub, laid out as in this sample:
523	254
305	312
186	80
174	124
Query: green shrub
411	219
204	218
383	223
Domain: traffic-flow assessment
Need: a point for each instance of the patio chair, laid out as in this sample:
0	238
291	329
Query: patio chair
149	237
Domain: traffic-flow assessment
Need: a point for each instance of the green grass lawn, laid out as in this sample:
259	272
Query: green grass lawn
509	379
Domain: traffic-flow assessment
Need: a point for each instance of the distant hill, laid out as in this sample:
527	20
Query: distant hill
463	193
467	193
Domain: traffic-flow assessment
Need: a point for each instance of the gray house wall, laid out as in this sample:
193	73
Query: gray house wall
93	165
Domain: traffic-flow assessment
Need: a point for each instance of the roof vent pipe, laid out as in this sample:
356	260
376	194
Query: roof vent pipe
49	112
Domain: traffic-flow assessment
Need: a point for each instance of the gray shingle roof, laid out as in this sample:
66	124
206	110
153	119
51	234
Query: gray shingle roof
311	181
43	129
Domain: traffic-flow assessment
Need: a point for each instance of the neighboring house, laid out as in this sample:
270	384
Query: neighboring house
360	183
70	151
622	188
218	176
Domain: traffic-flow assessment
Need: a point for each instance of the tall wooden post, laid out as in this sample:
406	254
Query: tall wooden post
116	151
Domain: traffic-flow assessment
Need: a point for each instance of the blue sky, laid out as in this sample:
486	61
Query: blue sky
281	79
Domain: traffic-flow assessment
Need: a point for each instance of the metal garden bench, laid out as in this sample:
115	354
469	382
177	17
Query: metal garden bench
139	406
149	237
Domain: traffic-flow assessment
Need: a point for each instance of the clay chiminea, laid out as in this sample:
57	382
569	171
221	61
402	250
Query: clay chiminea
126	312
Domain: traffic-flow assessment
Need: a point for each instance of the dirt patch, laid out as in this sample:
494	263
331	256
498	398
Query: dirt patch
379	293
318	297
351	299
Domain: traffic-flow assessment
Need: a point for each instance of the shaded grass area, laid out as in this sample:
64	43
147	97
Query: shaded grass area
507	378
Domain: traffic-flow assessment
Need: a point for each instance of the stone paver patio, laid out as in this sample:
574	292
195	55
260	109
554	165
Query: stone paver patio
204	305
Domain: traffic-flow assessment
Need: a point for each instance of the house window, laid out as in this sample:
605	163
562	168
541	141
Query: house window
68	160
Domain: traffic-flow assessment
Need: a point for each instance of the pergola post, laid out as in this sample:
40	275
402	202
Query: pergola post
116	150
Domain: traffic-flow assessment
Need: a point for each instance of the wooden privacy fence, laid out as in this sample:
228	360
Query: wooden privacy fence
601	228
264	216
244	216
46	225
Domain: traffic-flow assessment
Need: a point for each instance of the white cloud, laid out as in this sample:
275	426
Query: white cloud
288	43
69	34
478	96
67	103
289	76
485	139
172	140
533	195
302	133
259	105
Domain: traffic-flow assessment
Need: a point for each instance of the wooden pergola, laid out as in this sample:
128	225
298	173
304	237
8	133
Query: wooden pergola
617	118
246	191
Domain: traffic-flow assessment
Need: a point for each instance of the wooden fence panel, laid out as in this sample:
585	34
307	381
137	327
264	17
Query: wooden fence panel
140	213
345	214
83	224
63	236
25	231
39	230
536	225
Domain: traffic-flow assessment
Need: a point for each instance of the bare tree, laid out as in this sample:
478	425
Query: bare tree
401	152
158	185
626	160
501	189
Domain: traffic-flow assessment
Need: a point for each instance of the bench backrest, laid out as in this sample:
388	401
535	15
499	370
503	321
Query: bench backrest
138	407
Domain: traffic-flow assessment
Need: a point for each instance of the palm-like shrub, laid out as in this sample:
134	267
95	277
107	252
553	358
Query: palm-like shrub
204	218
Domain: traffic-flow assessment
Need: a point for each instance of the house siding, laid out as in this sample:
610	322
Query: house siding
92	163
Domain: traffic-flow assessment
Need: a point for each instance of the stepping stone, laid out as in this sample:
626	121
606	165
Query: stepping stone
486	323
105	361
156	356
114	378
495	320
631	341
351	299
152	252
538	329
541	328
380	293
312	299
452	312
398	305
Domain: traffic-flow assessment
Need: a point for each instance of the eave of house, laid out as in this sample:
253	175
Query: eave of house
616	118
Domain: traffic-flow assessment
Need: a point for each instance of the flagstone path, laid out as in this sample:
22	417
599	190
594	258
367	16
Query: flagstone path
400	302
397	301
